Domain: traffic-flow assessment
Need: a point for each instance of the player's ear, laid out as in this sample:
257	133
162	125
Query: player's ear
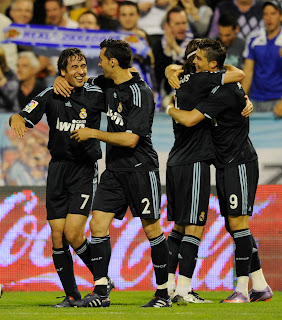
63	73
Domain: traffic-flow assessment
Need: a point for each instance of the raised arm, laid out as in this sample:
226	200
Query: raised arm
249	71
233	74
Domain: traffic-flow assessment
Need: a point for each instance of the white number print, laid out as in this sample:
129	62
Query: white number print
146	211
233	199
86	197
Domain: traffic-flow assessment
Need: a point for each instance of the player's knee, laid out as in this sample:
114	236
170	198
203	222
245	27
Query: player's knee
98	228
74	237
57	239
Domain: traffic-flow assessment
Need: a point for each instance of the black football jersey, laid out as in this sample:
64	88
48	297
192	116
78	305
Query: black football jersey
130	108
230	130
82	109
193	144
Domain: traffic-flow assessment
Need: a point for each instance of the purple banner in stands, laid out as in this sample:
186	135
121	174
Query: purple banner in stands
57	37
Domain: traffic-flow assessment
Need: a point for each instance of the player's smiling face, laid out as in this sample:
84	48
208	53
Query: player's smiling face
201	62
106	64
76	71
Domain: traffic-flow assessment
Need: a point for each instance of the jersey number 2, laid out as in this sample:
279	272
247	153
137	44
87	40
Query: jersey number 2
147	205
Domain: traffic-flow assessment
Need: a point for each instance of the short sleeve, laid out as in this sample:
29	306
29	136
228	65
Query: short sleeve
140	118
34	110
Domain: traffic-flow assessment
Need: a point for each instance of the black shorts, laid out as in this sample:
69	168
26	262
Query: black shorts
188	192
70	188
236	188
141	191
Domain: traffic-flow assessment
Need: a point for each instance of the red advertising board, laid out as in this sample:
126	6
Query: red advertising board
25	245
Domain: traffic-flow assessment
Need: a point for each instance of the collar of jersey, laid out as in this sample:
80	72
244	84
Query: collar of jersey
135	78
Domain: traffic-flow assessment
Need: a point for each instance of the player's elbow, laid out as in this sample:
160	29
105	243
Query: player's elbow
132	141
241	75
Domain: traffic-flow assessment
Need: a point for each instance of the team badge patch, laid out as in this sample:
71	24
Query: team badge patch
119	109
83	114
202	216
30	106
280	52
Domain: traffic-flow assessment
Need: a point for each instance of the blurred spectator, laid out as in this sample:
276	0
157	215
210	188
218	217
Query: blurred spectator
199	15
128	18
107	14
30	86
88	20
10	49
248	13
228	29
56	14
263	64
171	48
8	87
152	14
21	11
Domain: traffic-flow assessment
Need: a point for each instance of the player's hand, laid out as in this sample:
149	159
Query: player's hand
82	134
17	124
172	73
278	109
62	87
248	109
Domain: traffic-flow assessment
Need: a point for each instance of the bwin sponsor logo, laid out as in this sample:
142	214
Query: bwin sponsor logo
116	117
67	126
185	78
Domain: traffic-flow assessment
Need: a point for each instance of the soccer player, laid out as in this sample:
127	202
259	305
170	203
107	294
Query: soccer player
72	173
236	170
131	177
188	176
1	291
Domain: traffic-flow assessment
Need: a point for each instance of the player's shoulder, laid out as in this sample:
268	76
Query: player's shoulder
91	87
46	93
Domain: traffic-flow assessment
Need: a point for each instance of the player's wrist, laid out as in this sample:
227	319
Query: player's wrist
168	107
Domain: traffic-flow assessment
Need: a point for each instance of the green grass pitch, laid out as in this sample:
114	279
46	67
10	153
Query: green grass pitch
126	306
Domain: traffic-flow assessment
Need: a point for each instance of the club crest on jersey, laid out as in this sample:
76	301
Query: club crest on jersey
83	114
280	52
202	216
30	106
119	108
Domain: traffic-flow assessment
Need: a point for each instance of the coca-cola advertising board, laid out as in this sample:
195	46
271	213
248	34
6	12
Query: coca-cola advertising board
25	245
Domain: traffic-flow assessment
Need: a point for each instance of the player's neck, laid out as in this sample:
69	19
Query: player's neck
121	76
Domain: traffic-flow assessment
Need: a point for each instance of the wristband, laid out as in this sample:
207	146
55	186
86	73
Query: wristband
169	106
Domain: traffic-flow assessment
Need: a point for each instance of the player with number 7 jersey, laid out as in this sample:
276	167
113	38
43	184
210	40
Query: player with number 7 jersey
73	172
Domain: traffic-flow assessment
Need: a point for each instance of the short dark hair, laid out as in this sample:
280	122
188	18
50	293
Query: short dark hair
176	9
67	55
89	12
129	3
119	50
228	20
214	51
191	47
60	2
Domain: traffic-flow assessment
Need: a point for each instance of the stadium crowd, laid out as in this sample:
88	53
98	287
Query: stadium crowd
250	33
